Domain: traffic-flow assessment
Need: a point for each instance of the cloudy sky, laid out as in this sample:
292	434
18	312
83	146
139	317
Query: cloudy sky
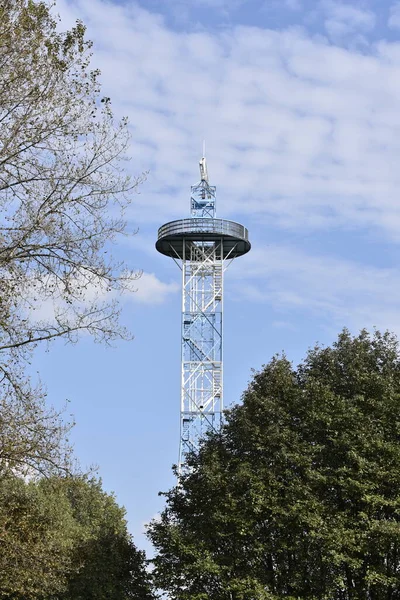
298	101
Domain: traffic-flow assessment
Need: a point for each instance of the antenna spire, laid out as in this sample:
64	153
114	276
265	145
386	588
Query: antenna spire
203	165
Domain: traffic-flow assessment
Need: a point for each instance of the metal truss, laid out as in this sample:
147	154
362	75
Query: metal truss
203	247
202	312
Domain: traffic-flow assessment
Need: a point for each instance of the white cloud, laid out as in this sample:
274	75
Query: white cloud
183	10
216	4
343	19
150	290
293	4
298	128
338	290
147	289
394	19
298	131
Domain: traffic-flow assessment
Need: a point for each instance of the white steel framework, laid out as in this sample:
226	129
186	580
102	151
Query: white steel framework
202	319
202	246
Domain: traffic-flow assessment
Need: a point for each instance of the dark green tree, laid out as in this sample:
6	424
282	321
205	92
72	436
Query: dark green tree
66	539
106	565
37	538
298	497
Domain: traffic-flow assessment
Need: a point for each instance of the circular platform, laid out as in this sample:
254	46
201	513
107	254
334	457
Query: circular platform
173	236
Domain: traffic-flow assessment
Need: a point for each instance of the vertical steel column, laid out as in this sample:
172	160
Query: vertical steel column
202	311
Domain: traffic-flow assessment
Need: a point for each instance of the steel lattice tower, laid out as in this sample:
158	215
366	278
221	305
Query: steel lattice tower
203	247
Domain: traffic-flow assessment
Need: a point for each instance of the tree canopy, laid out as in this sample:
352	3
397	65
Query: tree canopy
299	495
36	540
106	565
63	194
66	539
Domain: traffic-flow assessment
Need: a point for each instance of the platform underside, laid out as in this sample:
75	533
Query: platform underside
175	237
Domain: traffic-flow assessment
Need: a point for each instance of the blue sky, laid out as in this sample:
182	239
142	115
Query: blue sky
299	104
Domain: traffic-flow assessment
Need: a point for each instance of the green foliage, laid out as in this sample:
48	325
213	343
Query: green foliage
66	539
299	496
36	540
106	563
63	197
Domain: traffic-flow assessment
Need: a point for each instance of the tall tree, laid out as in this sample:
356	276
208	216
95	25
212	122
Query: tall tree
37	533
106	565
299	495
66	539
63	193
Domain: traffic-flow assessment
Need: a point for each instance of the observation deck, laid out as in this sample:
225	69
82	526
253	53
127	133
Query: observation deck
172	236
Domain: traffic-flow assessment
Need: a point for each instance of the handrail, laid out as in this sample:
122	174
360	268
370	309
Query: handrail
198	225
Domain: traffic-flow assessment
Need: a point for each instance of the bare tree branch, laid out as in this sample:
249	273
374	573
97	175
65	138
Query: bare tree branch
63	196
